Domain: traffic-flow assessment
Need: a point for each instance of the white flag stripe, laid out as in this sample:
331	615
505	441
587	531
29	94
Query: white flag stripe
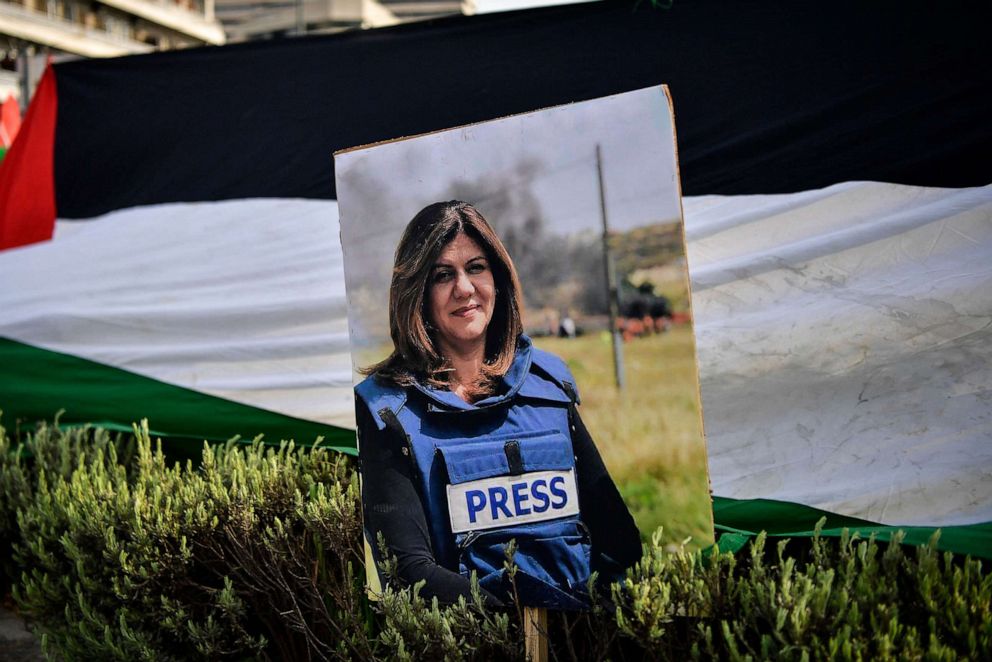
829	241
718	213
852	376
241	299
846	349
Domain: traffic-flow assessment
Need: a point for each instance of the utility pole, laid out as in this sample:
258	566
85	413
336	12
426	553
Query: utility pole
612	291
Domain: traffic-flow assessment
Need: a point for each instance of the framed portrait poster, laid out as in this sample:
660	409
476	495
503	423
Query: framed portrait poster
526	384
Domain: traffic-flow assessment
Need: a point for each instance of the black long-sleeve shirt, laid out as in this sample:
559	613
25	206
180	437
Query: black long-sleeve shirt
392	506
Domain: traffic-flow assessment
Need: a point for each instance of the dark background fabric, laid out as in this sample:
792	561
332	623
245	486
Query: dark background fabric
769	97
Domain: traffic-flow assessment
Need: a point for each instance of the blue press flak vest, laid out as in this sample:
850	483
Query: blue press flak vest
498	470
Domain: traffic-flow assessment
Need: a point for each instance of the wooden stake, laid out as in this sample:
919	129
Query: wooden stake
536	634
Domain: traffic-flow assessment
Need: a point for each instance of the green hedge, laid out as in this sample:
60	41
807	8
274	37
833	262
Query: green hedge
112	552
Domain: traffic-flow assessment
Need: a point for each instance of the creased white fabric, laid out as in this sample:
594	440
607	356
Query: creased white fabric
240	299
844	335
845	346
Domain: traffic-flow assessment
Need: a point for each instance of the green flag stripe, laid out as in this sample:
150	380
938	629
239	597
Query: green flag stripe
35	383
793	520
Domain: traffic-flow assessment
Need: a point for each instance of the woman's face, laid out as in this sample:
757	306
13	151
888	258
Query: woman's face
461	295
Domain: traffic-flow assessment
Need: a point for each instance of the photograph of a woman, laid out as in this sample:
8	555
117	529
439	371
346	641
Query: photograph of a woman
470	437
523	352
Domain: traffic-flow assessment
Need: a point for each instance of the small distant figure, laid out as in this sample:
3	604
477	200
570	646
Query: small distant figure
566	326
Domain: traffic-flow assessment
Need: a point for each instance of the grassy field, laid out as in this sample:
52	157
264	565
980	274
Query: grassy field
650	436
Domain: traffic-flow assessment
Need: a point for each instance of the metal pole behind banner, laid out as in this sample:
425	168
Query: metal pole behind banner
301	24
613	293
536	634
25	61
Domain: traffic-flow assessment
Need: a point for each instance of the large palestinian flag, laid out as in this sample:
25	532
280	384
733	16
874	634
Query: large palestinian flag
172	247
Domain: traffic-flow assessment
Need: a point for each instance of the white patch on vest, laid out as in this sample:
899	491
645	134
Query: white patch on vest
501	501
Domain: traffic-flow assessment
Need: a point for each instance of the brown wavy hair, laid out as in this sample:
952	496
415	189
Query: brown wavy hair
415	355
